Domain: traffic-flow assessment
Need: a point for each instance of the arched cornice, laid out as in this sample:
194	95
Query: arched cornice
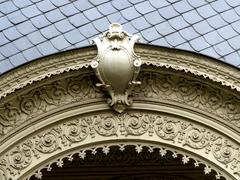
151	55
179	105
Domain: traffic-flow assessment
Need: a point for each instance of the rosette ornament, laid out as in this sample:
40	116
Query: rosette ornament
117	66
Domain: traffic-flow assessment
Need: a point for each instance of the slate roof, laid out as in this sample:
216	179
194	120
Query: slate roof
30	29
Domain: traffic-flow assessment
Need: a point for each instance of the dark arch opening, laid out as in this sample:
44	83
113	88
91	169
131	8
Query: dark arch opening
126	165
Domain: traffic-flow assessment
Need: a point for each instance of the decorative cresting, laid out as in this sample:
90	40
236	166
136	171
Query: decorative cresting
116	65
206	146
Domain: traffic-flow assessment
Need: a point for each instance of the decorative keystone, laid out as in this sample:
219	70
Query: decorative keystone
117	66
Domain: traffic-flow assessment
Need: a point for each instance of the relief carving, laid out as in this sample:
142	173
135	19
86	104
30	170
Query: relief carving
178	131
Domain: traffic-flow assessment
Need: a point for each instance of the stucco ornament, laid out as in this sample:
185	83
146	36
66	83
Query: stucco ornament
117	66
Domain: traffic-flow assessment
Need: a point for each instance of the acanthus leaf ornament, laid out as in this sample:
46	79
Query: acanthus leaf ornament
116	65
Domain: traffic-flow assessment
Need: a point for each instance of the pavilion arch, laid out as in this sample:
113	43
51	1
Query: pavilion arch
186	103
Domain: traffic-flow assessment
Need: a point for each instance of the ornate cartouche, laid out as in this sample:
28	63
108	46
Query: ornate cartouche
116	65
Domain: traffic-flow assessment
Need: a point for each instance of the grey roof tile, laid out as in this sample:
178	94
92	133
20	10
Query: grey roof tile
185	46
150	34
22	43
106	8
233	59
140	23
237	9
130	13
213	38
16	17
154	18
120	4
164	28
116	17
49	32
69	10
223	48
171	23
144	7
210	52
40	21
129	28
199	44
168	12
64	26
25	27
220	5
192	17
92	14
178	23
12	33
5	66
88	30
31	11
7	7
197	3
233	3
202	27
59	3
3	39
60	42
17	59
97	2
159	4
8	50
161	42
236	26
227	32
46	48
235	42
74	36
34	1
216	22
206	11
32	53
54	15
101	24
78	20
182	6
174	39
82	5
83	43
135	1
2	57
36	38
230	16
5	23
45	6
21	3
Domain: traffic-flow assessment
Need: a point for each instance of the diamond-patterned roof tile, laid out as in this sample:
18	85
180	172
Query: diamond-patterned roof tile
140	23
31	11
21	3
182	6
69	10
32	53
106	8
43	27
121	4
45	6
16	17
144	7
7	7
154	18
17	59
